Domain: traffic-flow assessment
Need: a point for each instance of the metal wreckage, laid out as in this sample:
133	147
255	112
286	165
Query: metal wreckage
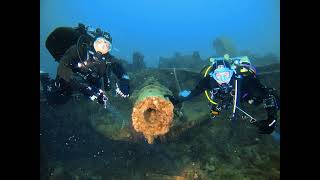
148	116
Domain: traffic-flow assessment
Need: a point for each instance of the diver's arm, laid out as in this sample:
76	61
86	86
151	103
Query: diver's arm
92	92
200	88
271	103
67	76
68	64
71	57
123	88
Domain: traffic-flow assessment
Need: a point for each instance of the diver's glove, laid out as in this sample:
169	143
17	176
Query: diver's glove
266	126
123	89
102	99
182	97
96	94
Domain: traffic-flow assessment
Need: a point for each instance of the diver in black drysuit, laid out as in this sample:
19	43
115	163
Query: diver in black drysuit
84	63
249	89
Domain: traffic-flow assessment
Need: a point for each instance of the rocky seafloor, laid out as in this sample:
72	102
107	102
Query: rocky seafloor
80	141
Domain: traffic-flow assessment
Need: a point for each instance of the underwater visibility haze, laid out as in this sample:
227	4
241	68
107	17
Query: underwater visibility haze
144	110
163	27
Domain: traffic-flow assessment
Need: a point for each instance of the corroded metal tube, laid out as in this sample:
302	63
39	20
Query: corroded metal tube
152	113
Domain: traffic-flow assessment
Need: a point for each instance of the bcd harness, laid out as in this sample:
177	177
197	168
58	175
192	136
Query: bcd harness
223	91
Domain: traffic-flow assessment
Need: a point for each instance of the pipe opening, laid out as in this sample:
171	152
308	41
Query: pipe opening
150	115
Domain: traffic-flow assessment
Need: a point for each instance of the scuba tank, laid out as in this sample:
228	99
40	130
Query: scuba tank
62	38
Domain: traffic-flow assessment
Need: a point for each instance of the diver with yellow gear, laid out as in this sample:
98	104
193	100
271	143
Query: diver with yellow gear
230	81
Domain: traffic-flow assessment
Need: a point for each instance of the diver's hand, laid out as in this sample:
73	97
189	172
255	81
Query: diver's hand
97	95
123	89
173	100
92	93
266	126
102	99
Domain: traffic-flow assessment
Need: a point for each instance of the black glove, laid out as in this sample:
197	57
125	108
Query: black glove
174	100
266	126
102	99
123	89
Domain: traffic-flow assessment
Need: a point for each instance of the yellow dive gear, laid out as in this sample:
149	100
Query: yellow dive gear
206	92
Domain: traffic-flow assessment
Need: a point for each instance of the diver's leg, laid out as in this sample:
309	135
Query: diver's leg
251	89
258	93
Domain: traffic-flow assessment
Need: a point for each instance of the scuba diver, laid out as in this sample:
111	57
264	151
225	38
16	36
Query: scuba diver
85	65
232	80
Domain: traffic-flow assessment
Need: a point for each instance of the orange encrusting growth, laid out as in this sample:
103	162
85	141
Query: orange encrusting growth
152	116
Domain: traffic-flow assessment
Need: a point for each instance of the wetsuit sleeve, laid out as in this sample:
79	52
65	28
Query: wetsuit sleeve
67	64
67	67
203	84
262	94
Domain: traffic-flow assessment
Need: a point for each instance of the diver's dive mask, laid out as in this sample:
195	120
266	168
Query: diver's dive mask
222	74
102	45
